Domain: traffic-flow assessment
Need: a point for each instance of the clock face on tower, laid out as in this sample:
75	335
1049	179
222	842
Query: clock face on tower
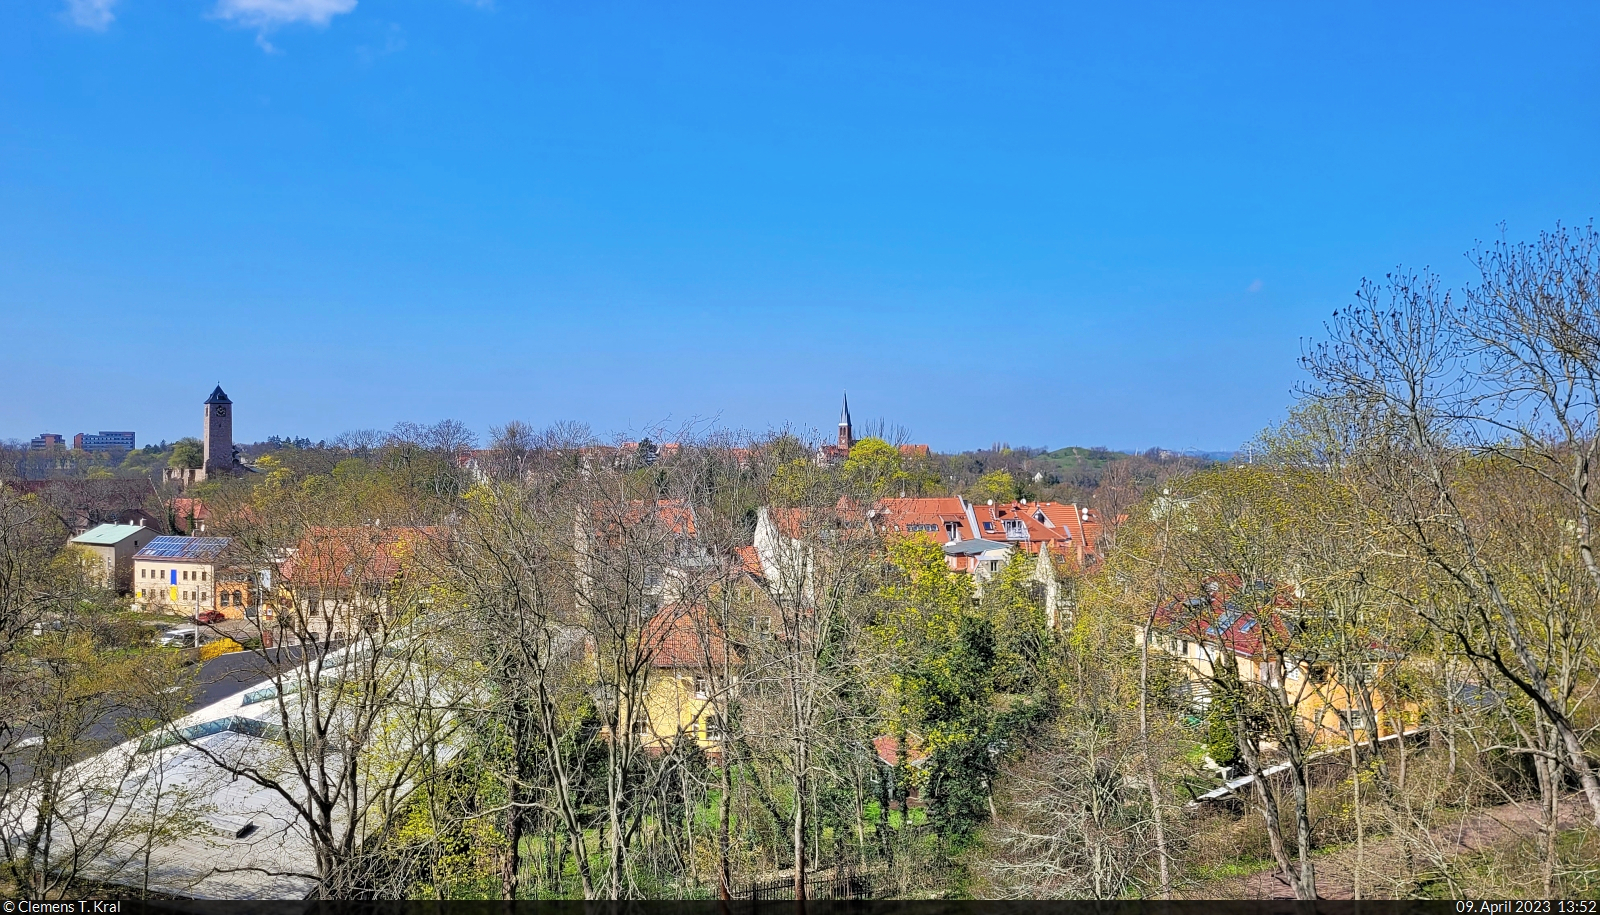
222	411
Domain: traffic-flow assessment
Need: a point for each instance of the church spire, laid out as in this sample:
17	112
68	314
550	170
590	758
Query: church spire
846	433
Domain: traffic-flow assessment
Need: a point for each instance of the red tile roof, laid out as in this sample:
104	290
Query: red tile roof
1068	531
888	749
930	516
676	514
749	559
684	636
1215	618
346	556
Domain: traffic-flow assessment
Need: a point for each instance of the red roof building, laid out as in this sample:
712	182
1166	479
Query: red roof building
1069	532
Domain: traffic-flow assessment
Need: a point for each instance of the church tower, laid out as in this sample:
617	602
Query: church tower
846	434
219	434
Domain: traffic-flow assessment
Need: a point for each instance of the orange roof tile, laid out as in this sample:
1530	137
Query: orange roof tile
345	556
887	747
749	559
682	635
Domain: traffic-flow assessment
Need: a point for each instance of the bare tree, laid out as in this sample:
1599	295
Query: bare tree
823	562
1432	395
74	683
363	681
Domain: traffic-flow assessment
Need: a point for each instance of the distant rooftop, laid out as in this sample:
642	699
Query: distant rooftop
973	547
198	549
113	534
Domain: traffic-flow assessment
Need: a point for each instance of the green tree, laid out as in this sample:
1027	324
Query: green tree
874	467
1022	637
946	664
998	485
187	454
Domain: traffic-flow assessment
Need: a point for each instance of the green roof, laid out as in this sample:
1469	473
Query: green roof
110	534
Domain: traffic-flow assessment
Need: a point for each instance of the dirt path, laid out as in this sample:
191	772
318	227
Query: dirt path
1383	867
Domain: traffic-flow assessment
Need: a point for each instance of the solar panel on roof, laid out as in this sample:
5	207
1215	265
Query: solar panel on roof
182	548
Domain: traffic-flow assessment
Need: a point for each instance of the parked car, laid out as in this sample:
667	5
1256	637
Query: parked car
210	616
178	638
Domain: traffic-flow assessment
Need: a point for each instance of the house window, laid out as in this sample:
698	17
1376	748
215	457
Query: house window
714	729
994	565
224	601
238	599
641	729
205	576
763	627
1355	719
701	688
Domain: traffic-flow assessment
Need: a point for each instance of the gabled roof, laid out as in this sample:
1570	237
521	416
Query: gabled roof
606	519
185	507
339	557
888	749
110	534
1215	618
749	560
183	549
683	635
915	515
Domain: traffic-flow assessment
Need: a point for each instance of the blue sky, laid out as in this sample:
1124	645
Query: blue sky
1045	224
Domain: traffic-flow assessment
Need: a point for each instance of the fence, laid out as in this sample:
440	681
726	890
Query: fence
841	884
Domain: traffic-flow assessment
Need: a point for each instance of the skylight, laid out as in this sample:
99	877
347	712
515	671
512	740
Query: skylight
249	727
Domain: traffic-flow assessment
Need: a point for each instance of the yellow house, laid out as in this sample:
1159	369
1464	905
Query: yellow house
691	679
1202	633
696	656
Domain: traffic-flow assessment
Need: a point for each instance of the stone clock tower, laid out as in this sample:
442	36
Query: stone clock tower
219	434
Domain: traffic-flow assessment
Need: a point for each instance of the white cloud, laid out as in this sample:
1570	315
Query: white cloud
91	14
269	14
1255	286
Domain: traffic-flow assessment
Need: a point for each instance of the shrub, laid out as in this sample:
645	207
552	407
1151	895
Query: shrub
220	647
